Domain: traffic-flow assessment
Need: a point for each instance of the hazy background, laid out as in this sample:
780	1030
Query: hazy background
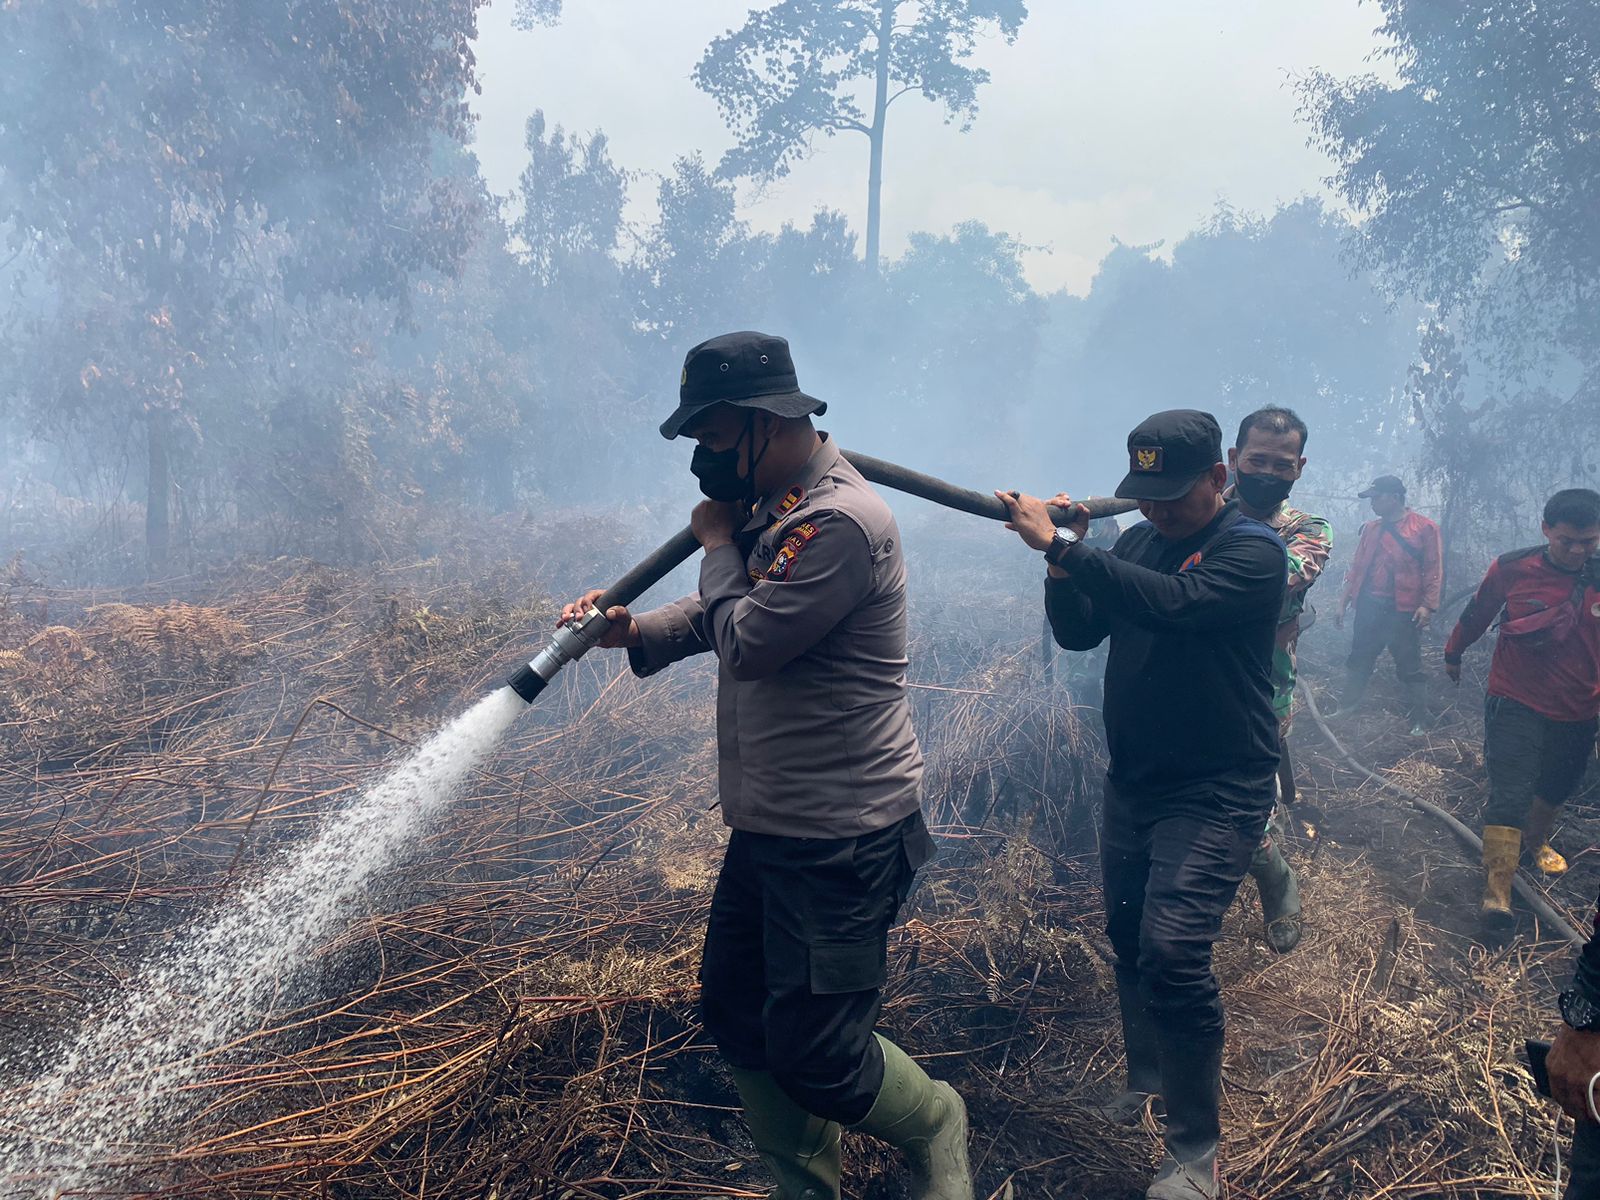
366	282
1101	121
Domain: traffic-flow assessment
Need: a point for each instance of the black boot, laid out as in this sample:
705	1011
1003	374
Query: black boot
1140	1039
1352	698
1191	1077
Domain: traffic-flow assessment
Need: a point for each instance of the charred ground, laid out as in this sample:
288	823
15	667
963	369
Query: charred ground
512	1014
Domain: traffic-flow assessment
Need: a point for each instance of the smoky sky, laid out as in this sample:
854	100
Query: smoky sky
1128	121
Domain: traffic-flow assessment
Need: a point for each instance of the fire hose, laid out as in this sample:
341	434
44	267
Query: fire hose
1525	890
576	638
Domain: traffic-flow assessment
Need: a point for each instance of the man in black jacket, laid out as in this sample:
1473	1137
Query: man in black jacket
1190	599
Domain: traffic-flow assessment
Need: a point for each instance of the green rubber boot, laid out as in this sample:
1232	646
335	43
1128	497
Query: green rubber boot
926	1120
1280	895
801	1150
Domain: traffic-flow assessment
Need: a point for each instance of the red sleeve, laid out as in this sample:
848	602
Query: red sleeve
1480	610
1432	566
1356	575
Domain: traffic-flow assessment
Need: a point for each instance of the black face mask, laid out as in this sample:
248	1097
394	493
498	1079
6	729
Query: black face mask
1262	491
718	470
718	473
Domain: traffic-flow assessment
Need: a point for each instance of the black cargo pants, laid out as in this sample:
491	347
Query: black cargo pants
1379	626
795	957
1169	875
1529	754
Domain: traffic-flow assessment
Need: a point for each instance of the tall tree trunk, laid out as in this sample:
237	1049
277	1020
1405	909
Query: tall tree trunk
158	488
880	113
502	481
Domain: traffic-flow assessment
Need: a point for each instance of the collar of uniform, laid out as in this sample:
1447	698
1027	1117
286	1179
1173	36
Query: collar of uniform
1544	554
1227	513
1276	520
819	464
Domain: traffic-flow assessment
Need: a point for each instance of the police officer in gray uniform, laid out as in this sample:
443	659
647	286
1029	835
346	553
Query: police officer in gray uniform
803	600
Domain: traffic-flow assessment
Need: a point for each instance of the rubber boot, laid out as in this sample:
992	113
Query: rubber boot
1416	708
1280	895
1501	846
1352	697
1536	837
1140	1040
926	1120
1191	1075
801	1150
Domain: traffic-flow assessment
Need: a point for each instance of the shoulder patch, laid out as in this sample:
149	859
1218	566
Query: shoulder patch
1511	556
783	561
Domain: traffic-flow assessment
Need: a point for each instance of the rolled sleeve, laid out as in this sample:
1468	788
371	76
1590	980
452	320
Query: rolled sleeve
1308	549
667	635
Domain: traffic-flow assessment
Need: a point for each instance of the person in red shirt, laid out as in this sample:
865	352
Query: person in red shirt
1394	583
1544	689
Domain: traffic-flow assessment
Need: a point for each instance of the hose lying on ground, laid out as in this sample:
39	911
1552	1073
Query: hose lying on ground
574	640
1529	894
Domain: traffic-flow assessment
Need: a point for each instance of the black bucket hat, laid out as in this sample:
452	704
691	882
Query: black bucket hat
745	369
1168	452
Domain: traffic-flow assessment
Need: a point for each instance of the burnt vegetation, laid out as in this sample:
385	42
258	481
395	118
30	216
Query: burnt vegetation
303	428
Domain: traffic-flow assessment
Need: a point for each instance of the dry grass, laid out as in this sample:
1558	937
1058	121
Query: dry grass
513	1015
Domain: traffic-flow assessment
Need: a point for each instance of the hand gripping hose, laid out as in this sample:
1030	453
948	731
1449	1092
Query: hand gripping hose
572	641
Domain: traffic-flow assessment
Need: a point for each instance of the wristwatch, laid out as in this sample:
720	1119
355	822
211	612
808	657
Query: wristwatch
1064	540
1578	1011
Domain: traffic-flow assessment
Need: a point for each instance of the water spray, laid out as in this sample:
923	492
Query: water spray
576	638
66	1130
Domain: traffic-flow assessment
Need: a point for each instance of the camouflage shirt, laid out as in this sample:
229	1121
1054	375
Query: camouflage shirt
1309	540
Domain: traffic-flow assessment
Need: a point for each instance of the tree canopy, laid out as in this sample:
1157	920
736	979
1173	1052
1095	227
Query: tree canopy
800	68
1476	173
187	168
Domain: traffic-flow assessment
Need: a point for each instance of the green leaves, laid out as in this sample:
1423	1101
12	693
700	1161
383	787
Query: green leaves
799	68
802	68
1478	169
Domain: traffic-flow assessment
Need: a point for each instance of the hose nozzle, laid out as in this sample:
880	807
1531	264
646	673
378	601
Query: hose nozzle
569	643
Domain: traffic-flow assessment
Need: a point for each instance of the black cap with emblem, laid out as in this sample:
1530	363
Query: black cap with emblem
1169	452
746	369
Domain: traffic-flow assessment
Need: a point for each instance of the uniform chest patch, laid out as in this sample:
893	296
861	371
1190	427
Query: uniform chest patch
1193	560
783	561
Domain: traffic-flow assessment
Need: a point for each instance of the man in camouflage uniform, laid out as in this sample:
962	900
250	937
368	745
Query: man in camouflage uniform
1267	458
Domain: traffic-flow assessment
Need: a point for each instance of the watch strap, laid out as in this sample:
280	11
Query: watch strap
1578	1011
1056	551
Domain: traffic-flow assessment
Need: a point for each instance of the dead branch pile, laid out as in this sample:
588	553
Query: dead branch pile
513	1014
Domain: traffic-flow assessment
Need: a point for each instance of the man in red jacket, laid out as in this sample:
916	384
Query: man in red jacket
1394	583
1544	689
